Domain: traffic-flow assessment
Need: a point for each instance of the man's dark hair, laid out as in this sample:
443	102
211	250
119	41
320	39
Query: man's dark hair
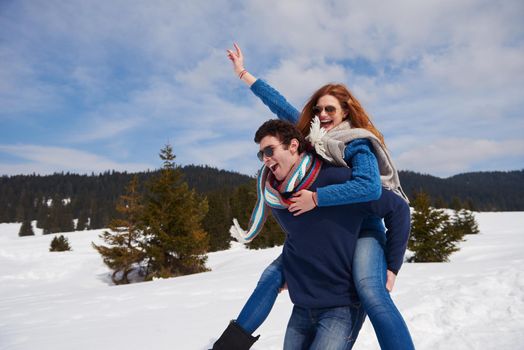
282	130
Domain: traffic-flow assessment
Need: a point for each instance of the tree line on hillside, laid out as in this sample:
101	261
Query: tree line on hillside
54	200
479	191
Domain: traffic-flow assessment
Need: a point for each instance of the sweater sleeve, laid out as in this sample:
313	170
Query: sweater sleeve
364	185
397	219
275	101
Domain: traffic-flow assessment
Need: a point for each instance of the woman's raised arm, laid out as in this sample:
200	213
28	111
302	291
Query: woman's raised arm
238	65
265	92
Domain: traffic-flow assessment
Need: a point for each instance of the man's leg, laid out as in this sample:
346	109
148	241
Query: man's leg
300	330
337	328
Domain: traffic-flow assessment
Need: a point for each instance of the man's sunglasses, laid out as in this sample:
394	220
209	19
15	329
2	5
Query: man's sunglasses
266	152
329	109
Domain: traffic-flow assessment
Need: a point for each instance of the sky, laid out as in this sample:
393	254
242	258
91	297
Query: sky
91	86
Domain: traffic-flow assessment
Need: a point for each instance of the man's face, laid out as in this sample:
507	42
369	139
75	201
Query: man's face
283	158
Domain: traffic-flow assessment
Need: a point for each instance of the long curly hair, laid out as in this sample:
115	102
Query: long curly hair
356	114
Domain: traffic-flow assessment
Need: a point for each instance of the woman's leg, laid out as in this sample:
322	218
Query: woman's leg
369	275
261	301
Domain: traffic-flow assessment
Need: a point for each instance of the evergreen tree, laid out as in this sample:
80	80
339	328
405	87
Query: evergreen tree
26	229
464	221
95	216
55	210
66	221
124	252
42	213
218	220
176	243
82	221
433	236
440	203
59	244
455	203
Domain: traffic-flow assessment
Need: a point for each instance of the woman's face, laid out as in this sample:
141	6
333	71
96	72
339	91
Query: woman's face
329	111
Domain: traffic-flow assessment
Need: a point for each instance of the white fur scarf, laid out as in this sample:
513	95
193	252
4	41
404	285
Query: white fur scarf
330	146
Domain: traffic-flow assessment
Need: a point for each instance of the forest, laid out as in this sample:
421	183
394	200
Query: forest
65	202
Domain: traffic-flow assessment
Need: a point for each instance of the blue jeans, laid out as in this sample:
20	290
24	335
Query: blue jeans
261	301
369	275
334	328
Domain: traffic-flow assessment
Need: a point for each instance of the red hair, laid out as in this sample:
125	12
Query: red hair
356	114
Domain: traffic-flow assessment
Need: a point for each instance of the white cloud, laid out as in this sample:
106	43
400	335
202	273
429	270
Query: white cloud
45	160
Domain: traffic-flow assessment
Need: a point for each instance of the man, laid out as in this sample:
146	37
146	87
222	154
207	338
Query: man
318	251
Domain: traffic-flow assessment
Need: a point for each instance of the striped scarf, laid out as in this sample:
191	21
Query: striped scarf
269	194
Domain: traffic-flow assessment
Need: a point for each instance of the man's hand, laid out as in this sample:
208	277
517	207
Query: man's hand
390	281
302	202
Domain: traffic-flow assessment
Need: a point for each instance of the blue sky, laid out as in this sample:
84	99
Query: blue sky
89	86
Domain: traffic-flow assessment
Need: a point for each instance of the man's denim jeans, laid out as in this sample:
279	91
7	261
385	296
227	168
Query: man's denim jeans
333	328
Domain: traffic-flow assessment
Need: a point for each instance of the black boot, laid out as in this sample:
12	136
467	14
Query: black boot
234	338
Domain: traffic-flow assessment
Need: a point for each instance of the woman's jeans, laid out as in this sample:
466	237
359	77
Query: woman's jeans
334	328
261	302
369	275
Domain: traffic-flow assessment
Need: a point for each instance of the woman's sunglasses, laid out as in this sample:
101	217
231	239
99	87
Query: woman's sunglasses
266	152
329	109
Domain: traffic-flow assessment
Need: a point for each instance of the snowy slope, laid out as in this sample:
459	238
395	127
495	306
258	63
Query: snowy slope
65	300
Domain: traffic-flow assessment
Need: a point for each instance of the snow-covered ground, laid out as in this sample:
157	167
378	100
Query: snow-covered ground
65	300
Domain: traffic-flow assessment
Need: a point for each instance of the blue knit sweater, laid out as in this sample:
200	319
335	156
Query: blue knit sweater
319	247
364	184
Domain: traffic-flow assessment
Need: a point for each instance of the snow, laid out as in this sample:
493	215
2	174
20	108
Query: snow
66	300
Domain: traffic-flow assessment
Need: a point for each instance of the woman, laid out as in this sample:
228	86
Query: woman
334	106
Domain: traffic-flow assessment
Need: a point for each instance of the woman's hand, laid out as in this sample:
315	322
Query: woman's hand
391	277
238	65
237	58
303	201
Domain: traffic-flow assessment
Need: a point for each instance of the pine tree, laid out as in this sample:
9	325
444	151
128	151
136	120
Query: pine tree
59	244
60	217
455	203
124	252
433	236
176	243
42	213
464	221
218	220
82	221
26	229
66	221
